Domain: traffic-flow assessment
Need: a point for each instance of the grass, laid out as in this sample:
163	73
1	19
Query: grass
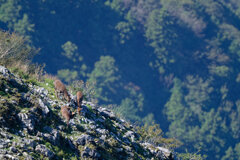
47	84
89	107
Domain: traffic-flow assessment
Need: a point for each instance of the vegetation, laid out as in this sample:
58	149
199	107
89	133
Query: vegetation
169	61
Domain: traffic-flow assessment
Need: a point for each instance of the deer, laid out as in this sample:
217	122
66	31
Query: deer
60	88
79	101
67	114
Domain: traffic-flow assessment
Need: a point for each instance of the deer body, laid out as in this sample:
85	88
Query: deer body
60	88
66	113
79	101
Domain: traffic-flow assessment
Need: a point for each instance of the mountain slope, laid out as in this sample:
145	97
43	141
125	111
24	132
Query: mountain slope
31	127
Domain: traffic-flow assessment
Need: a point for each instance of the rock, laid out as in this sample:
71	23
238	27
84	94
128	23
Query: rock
42	91
52	136
106	113
47	129
130	134
88	152
45	109
100	120
89	103
165	152
28	157
102	131
119	149
13	149
159	152
4	71
103	137
71	144
83	139
60	127
3	143
25	154
8	156
45	151
26	143
27	120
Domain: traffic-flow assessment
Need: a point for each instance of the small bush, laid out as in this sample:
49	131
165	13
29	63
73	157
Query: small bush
153	134
16	54
13	48
87	89
191	156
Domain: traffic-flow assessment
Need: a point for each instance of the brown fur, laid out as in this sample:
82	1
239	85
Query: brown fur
79	101
66	113
60	87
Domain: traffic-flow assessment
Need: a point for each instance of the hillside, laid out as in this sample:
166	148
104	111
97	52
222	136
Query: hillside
31	127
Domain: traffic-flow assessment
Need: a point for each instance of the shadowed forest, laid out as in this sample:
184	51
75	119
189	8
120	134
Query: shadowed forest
172	62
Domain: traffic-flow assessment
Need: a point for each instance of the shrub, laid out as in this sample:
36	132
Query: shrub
87	89
153	134
16	54
14	48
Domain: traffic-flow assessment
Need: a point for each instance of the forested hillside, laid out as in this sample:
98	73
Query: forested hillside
175	62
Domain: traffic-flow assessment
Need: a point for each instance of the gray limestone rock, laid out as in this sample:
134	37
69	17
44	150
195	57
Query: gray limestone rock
131	135
13	149
89	153
83	139
4	143
45	151
4	71
27	121
107	113
44	107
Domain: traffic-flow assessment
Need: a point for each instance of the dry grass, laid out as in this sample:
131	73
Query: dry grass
49	76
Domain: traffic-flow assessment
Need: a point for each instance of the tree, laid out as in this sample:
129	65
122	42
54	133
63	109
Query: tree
13	49
105	75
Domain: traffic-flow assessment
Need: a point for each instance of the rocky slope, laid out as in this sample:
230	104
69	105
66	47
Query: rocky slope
31	127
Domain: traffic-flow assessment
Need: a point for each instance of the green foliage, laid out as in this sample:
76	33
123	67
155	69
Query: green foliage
221	71
10	14
88	89
67	75
160	35
23	26
70	50
189	120
191	156
128	110
9	11
232	154
124	29
235	121
105	75
152	133
13	49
